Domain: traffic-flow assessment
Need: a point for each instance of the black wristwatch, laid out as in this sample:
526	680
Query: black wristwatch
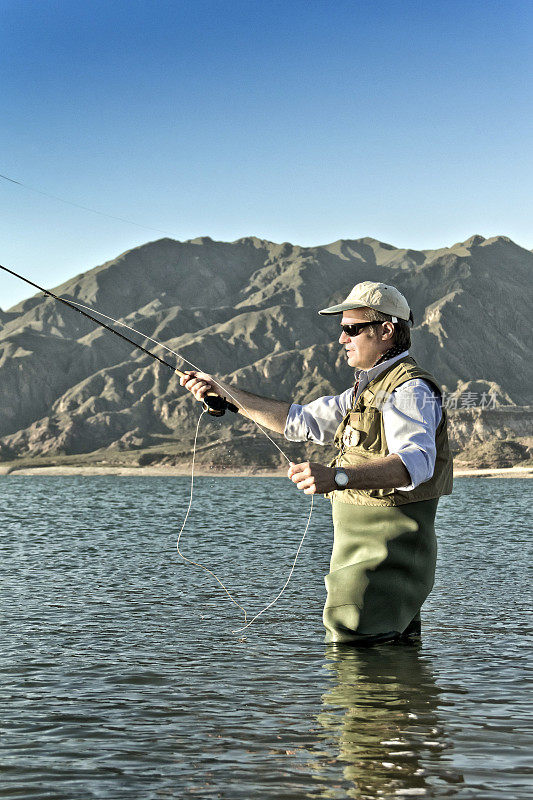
341	478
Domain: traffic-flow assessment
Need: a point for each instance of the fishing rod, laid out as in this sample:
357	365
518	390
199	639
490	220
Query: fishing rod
213	403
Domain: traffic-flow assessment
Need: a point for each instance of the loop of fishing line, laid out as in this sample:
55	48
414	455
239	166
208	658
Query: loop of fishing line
202	566
190	561
285	456
275	600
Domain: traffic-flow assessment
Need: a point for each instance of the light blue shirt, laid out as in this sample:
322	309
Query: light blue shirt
410	418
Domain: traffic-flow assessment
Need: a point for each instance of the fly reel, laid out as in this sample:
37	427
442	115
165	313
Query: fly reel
217	406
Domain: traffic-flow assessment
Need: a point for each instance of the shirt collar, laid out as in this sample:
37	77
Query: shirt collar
368	375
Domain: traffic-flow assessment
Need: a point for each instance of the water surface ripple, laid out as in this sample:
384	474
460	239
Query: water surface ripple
120	676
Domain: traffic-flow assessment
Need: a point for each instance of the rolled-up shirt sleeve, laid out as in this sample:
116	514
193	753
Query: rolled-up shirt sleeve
410	418
317	421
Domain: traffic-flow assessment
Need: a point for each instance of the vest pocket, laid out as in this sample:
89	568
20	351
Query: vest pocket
364	429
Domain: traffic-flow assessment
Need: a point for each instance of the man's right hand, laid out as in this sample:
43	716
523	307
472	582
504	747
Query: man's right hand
271	414
199	383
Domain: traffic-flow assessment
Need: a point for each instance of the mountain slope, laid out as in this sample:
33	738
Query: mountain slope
246	310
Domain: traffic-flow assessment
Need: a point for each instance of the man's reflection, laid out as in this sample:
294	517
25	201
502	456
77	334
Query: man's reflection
380	715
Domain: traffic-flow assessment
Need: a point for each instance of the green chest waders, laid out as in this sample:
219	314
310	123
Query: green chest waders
382	568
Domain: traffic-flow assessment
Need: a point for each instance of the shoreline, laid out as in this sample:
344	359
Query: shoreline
203	472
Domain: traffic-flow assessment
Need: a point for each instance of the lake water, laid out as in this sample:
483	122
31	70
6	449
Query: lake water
121	677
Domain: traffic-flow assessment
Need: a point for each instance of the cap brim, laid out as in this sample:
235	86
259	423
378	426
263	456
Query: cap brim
341	308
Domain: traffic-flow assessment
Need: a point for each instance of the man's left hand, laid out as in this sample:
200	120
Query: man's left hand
312	478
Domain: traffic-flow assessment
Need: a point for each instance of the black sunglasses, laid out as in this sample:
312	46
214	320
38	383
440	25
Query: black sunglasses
356	327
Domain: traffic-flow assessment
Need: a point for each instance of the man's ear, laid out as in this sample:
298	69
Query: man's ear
388	331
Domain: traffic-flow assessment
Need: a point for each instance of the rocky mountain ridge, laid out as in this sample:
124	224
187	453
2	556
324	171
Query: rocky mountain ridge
247	311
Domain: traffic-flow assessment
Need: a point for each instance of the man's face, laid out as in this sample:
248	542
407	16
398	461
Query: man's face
363	350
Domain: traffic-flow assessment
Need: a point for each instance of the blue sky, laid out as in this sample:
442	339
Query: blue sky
294	121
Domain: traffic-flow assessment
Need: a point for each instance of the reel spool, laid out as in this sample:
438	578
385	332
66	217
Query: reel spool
217	406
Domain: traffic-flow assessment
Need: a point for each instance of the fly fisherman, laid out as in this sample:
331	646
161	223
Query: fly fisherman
392	465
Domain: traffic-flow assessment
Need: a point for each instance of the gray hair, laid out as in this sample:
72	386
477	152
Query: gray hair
402	330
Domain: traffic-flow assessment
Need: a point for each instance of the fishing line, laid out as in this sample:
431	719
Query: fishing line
202	566
275	600
79	306
84	208
175	353
190	561
198	564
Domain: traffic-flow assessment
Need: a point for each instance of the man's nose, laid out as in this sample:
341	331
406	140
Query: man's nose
343	338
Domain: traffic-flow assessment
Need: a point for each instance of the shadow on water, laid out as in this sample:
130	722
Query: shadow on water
380	715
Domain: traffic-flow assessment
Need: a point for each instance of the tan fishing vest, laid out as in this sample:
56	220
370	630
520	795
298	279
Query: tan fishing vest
361	436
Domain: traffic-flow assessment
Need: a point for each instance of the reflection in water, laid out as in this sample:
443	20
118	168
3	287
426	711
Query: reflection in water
381	713
119	679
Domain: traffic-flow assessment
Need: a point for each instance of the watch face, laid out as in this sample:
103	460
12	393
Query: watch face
341	478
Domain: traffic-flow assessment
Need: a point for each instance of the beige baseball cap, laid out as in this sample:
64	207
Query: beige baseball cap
378	296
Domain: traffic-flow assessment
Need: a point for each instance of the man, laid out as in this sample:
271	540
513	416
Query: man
393	464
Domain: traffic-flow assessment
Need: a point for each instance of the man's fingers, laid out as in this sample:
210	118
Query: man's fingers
304	474
186	376
197	386
200	390
192	375
306	483
300	470
311	478
194	383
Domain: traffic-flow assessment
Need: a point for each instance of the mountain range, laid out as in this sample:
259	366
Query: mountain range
246	311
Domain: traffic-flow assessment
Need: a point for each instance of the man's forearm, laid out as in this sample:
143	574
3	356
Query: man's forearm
271	414
380	473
